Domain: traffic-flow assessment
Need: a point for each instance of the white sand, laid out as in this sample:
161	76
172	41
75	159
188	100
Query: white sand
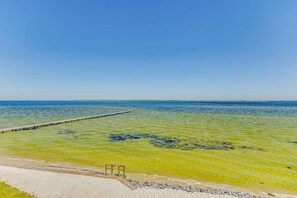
45	184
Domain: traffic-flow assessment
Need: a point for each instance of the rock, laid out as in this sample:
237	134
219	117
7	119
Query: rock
270	194
191	189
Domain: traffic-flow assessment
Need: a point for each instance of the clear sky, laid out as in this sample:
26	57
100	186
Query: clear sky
152	49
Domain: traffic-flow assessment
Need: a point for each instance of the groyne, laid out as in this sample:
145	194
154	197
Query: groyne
36	126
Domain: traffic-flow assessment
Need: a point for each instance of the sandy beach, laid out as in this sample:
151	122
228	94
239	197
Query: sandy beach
46	184
21	172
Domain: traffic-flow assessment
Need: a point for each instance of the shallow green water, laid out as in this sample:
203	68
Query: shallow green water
254	151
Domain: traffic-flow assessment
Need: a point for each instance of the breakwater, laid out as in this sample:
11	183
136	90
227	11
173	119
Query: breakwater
36	126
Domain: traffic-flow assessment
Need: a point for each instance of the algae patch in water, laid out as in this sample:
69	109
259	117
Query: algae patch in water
135	136
185	144
65	132
173	142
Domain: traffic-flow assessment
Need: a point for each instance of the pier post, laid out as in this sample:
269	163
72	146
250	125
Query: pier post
109	167
121	169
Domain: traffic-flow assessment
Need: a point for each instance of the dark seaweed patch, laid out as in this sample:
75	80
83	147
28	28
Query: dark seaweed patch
293	142
165	142
250	148
173	142
135	136
65	132
184	144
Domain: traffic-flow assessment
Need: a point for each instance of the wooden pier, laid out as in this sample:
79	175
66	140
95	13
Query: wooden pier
36	126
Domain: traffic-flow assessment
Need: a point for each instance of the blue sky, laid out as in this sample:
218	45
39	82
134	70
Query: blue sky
157	49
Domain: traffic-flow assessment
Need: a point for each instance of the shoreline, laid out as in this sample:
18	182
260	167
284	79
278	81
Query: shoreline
135	180
44	184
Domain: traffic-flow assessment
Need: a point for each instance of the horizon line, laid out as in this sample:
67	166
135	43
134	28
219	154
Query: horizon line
168	100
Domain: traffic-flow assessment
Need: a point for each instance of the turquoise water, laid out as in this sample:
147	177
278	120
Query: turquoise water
246	144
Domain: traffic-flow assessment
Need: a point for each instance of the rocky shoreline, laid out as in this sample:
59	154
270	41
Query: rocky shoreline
192	189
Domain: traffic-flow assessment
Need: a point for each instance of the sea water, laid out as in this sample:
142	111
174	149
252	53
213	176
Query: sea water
244	144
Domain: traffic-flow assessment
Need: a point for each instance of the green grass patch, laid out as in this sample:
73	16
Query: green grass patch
7	191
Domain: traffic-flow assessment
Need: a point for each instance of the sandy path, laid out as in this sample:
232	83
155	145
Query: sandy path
49	184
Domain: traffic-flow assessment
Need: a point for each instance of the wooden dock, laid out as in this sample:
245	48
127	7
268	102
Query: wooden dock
36	126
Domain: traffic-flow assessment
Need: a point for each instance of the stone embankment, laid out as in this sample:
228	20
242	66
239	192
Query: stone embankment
192	189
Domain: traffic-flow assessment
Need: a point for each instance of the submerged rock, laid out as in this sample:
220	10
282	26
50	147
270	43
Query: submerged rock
65	132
